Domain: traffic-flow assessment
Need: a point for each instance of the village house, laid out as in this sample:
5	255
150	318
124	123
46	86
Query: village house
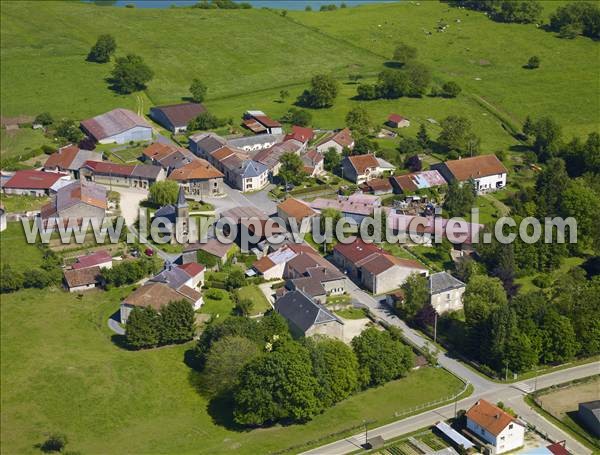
255	143
199	179
69	159
101	258
301	134
203	144
314	163
83	279
356	206
317	282
75	201
373	268
337	141
131	175
167	156
377	186
295	209
487	171
445	292
258	122
212	247
118	126
361	168
176	117
273	265
248	175
271	157
253	226
501	431
409	183
174	283
397	121
307	318
34	183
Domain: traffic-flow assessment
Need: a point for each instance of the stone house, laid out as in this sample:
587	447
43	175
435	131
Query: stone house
199	179
338	141
446	292
135	176
69	159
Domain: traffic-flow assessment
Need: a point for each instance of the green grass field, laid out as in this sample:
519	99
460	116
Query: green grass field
253	293
15	251
18	142
20	204
61	372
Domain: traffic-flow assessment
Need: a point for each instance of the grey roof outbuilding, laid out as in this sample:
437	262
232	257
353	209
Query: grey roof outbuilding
443	282
302	312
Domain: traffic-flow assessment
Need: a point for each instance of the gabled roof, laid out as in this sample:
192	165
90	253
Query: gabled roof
251	168
343	138
212	246
112	123
181	114
419	180
396	118
81	191
198	169
146	171
377	185
490	417
263	264
443	282
156	295
361	163
63	158
252	141
475	167
192	268
35	180
92	260
106	168
82	277
209	142
301	134
372	258
311	286
301	311
159	150
174	277
266	121
295	208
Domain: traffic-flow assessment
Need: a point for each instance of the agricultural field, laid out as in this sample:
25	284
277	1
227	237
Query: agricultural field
22	142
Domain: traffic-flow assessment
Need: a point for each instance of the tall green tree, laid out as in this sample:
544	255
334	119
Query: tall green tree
332	160
380	357
68	131
143	328
335	368
105	47
131	74
460	198
177	322
292	168
416	295
559	344
322	92
547	138
457	135
403	53
164	192
423	137
198	90
550	186
359	121
419	77
276	386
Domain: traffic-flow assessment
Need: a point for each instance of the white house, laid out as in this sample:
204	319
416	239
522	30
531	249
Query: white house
338	141
487	171
496	427
362	168
446	292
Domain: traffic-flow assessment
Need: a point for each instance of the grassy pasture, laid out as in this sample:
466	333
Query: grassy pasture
565	86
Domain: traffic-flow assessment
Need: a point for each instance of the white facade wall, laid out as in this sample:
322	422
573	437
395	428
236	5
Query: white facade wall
136	134
26	192
511	438
490	183
324	147
275	272
86	287
448	301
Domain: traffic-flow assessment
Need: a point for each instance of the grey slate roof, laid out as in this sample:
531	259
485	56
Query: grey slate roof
146	171
442	282
301	311
174	277
208	142
83	156
251	168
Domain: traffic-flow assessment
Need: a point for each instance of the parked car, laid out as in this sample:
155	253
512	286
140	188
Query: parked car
149	252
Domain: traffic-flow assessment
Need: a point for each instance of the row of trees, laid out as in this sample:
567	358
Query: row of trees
576	18
148	328
524	12
48	274
129	272
275	379
412	80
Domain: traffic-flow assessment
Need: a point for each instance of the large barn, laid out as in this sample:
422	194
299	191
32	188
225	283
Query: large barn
118	126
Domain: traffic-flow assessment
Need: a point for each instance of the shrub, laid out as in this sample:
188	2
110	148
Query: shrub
214	294
56	442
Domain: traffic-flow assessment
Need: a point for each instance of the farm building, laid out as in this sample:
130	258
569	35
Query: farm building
118	126
75	201
397	121
258	122
176	117
77	280
35	183
69	159
409	183
101	259
199	179
136	176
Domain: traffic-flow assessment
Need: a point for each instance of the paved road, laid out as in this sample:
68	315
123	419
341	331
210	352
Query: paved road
512	395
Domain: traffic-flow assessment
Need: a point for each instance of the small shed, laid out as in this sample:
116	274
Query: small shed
397	121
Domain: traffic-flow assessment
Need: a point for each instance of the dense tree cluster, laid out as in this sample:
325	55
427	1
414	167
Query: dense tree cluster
460	198
359	121
412	80
67	131
129	272
273	378
322	92
206	121
164	192
524	11
457	136
104	48
576	18
292	168
48	274
148	328
130	74
295	116
221	4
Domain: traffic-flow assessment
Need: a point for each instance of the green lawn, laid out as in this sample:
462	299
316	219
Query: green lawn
61	372
253	293
217	307
474	53
338	299
567	264
351	313
20	204
15	251
16	143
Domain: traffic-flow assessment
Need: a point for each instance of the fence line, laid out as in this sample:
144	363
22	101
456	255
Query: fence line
432	403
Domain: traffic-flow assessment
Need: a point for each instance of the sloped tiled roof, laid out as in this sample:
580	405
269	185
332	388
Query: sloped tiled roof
489	416
419	180
181	114
82	277
475	167
81	191
363	162
301	134
302	311
295	208
92	260
35	180
198	169
442	282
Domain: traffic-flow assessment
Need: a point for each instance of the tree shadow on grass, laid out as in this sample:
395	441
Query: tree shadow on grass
393	65
120	341
519	148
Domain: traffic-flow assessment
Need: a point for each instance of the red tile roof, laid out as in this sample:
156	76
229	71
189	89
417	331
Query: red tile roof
396	118
267	121
301	134
35	180
192	268
62	158
104	167
263	264
198	169
82	277
92	260
159	150
294	208
475	167
489	416
373	258
344	138
363	162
